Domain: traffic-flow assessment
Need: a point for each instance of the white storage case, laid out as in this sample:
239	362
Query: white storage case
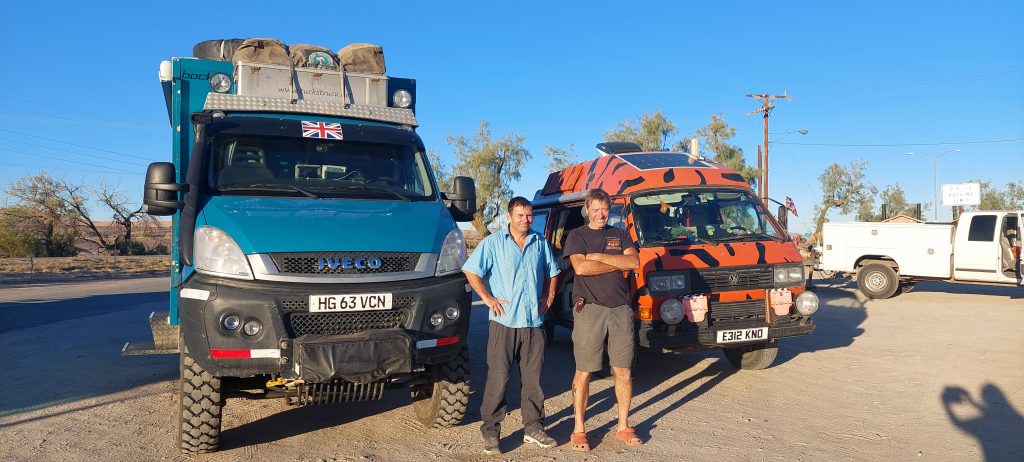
274	81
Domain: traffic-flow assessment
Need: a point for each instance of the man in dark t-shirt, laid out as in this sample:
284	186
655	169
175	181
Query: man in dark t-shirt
601	312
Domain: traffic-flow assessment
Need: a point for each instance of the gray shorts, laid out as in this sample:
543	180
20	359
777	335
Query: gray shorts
595	325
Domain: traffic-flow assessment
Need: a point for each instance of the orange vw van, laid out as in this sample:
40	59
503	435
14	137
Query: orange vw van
717	270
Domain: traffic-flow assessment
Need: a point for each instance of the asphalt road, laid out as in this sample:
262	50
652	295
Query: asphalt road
935	374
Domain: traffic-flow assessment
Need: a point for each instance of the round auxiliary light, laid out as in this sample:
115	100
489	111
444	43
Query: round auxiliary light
402	98
220	82
436	319
806	303
678	282
672	311
451	312
230	322
252	328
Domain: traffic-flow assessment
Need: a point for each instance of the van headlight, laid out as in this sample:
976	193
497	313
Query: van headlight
789	275
217	254
672	311
806	303
453	254
668	282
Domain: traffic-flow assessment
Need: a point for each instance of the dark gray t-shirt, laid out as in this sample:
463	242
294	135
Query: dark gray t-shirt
607	289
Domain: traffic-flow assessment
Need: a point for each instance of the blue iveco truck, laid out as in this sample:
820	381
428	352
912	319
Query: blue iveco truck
314	257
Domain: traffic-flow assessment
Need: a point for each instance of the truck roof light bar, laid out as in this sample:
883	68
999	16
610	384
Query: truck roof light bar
230	102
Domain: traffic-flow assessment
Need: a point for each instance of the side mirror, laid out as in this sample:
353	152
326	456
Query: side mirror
160	196
783	217
463	197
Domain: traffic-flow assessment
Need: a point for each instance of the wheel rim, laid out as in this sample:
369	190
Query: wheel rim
876	281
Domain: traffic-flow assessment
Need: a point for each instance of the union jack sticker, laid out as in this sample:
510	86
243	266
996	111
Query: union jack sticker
330	131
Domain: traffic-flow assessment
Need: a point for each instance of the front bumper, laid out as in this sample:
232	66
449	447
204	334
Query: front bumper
287	323
705	335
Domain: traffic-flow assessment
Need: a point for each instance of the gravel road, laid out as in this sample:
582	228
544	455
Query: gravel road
934	374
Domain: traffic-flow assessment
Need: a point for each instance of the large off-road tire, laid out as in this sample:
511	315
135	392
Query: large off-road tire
877	281
443	403
752	357
200	409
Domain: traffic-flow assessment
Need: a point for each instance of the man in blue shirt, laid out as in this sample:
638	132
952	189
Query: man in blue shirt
520	269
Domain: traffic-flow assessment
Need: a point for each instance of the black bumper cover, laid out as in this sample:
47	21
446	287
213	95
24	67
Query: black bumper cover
267	301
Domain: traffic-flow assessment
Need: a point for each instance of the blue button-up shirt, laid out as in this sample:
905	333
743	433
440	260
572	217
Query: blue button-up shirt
514	275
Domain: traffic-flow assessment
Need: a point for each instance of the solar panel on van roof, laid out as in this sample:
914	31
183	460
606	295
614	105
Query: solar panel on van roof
649	161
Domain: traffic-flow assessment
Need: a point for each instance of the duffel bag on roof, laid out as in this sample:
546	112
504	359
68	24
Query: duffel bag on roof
364	58
262	50
217	50
313	56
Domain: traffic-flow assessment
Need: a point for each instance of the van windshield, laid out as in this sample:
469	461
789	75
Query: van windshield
250	165
695	216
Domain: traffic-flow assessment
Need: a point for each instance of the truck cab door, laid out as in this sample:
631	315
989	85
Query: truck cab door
1009	239
976	254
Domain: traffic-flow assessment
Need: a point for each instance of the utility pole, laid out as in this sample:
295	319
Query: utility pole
765	110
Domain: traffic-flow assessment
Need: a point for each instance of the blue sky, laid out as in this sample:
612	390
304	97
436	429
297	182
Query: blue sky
79	81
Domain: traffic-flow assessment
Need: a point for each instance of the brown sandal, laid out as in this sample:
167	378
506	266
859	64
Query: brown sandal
579	442
628	437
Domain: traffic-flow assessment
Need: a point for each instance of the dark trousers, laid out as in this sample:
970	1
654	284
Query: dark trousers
506	345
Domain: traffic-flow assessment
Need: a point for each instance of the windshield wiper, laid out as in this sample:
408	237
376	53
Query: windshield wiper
688	241
377	189
753	235
273	187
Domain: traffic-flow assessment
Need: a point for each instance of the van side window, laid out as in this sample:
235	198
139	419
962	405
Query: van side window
568	220
616	217
540	222
983	228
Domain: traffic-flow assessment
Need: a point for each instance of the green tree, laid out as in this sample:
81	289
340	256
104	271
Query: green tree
42	209
494	164
715	138
1012	198
559	159
843	188
650	131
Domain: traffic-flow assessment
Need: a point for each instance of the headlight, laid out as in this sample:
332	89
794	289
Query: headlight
672	311
806	303
436	319
401	98
788	276
252	328
666	281
217	254
220	82
230	322
451	312
453	254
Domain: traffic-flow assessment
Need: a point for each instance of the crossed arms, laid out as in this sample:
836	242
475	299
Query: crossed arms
593	264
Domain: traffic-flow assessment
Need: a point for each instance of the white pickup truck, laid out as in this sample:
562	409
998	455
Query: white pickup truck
983	247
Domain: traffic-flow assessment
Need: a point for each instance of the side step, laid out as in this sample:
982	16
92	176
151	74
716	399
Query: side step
165	338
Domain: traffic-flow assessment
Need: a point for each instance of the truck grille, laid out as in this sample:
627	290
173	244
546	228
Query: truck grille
728	314
725	279
307	262
299	321
299	324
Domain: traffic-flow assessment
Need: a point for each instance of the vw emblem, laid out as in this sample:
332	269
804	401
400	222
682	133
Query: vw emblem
734	279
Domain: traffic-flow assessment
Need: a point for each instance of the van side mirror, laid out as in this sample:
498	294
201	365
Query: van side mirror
160	196
463	197
783	217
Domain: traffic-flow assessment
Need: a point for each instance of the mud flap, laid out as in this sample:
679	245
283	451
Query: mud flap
359	358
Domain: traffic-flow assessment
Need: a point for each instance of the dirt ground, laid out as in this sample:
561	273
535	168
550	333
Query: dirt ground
934	374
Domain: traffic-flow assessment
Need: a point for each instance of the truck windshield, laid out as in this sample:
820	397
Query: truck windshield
688	217
251	165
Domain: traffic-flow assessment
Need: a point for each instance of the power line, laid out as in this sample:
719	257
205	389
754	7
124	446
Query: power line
49	168
1010	140
117	126
72	152
71	161
75	110
73	144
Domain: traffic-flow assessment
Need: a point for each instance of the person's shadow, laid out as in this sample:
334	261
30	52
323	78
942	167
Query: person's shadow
997	426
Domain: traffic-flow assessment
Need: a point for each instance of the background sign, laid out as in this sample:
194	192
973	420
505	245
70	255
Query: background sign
961	194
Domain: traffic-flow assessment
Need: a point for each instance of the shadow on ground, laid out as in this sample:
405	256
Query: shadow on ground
990	420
